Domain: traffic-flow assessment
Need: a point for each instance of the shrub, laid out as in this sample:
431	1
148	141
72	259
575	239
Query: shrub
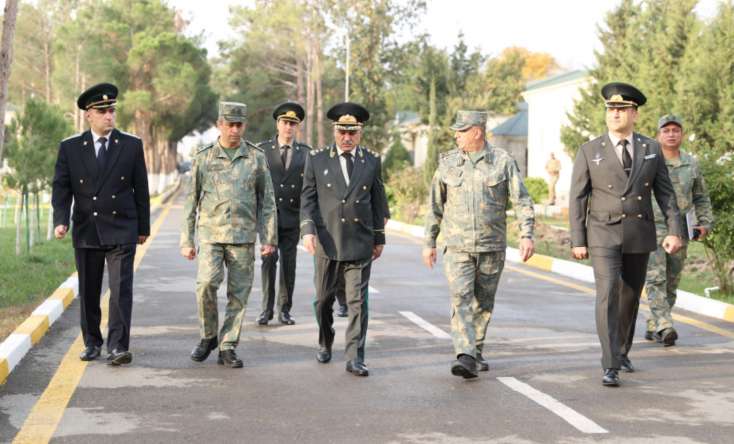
538	189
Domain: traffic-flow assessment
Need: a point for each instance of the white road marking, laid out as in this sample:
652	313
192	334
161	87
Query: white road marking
571	416
430	328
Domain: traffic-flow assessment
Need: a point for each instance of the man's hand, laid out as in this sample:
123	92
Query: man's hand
60	231
429	257
142	239
309	243
580	253
527	248
377	251
703	232
671	244
267	250
188	253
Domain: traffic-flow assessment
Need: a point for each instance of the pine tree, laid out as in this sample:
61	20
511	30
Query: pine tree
431	163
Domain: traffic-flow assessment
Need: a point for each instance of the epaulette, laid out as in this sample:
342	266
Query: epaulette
130	135
204	148
315	152
448	154
72	137
254	146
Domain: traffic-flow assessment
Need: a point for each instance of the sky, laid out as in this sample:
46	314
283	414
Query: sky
566	29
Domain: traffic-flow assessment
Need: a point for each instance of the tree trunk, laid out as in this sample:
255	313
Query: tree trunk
6	59
320	138
50	222
18	213
37	196
47	67
309	94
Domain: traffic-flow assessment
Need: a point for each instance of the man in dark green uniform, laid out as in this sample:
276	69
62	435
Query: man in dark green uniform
342	224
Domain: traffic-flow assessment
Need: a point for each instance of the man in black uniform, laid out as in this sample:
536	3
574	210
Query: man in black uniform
342	224
286	159
103	171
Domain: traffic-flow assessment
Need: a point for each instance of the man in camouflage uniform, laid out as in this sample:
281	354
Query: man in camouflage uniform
232	195
663	269
469	195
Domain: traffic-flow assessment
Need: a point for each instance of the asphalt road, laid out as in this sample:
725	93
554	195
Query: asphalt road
544	384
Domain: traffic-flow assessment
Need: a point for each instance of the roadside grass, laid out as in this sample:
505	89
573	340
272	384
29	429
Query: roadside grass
28	279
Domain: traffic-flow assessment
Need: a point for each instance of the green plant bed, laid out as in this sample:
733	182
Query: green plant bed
30	278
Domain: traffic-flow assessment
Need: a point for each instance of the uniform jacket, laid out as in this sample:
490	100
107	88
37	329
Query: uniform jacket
111	207
234	199
288	183
468	202
608	209
348	221
690	194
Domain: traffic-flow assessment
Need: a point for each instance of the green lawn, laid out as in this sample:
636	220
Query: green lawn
31	277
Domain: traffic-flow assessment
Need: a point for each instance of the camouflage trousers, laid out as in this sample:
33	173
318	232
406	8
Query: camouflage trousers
473	280
663	276
239	260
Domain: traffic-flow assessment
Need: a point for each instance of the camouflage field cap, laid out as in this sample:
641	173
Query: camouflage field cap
669	118
233	111
622	95
466	119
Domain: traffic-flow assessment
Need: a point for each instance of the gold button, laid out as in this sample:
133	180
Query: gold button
280	199
639	216
94	214
281	185
293	186
647	184
364	187
623	215
113	196
291	200
114	212
122	177
357	201
609	186
356	219
639	197
343	220
94	198
81	180
344	201
328	185
624	198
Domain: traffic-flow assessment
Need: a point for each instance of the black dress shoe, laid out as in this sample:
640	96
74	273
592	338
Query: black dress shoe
342	311
228	358
323	355
119	357
357	368
286	319
668	337
90	353
264	318
482	364
201	351
650	335
626	365
610	378
465	366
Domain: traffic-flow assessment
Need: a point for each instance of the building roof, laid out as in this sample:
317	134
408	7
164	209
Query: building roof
557	79
516	125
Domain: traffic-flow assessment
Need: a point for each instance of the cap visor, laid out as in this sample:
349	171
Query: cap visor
290	119
235	119
459	127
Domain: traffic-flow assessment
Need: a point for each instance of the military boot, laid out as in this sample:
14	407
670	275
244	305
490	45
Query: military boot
201	351
228	358
465	366
482	363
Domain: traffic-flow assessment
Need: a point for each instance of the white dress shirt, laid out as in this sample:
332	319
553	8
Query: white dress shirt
618	147
98	144
343	162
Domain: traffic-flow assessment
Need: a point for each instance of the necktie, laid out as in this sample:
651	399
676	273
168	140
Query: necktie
350	163
102	153
284	155
626	158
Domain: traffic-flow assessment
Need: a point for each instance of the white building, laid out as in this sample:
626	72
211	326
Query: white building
549	101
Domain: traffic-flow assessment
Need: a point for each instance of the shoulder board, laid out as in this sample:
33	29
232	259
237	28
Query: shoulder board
303	145
449	153
252	145
262	144
204	148
129	135
73	137
315	152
